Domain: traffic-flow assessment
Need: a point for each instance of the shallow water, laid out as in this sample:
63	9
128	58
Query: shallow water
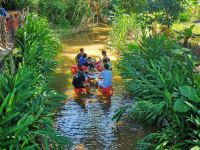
87	119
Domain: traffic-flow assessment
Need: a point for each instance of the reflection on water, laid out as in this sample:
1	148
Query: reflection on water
87	119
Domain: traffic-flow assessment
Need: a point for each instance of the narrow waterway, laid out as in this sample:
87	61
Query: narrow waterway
87	119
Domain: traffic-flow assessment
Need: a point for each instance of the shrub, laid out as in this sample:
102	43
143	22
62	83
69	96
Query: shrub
64	13
27	104
37	44
17	4
159	73
124	27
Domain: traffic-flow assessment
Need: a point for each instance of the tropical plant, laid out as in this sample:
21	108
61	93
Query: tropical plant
190	7
37	44
17	4
26	111
186	35
125	29
159	73
27	104
66	13
168	10
133	6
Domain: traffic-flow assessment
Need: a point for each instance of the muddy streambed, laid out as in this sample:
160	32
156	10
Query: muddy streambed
87	119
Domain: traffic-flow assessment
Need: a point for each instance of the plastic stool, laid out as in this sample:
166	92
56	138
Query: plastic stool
99	68
79	90
74	69
107	92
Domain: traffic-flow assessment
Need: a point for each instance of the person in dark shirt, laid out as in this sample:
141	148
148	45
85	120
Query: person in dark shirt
106	61
79	55
89	64
79	79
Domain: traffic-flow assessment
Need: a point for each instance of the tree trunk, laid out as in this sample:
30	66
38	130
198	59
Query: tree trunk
185	43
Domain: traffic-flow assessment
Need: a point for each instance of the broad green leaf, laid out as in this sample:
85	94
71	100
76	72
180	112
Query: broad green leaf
119	113
195	148
180	106
192	106
190	93
11	100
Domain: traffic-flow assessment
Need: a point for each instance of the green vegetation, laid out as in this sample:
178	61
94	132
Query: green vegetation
159	71
63	13
27	104
166	91
153	38
16	4
124	28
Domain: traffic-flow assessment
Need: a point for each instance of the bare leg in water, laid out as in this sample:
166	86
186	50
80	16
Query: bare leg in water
87	86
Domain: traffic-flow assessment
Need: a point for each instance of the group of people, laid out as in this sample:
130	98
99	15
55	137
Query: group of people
88	66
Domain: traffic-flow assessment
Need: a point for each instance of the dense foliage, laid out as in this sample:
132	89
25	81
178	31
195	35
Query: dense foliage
26	101
16	4
160	11
63	13
160	75
157	68
125	28
160	71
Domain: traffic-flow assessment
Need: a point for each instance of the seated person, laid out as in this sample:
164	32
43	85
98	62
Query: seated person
82	60
79	79
105	56
90	65
106	76
79	55
100	62
106	61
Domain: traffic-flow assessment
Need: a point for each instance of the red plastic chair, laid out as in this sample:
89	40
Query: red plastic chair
15	22
79	90
74	69
99	68
8	25
107	92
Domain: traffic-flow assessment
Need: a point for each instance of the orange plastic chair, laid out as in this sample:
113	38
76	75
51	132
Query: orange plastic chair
99	69
107	92
8	25
15	22
74	69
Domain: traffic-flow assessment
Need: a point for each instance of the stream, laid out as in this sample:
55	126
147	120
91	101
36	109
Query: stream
87	119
